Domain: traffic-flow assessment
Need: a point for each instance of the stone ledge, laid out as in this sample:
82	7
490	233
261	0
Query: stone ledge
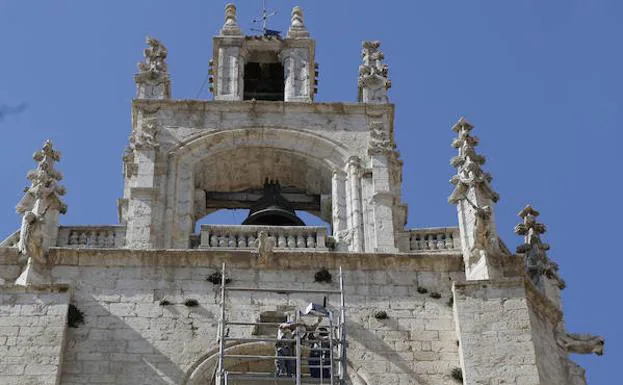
439	262
52	288
536	299
262	106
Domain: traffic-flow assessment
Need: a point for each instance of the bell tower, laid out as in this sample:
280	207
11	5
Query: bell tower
264	67
338	161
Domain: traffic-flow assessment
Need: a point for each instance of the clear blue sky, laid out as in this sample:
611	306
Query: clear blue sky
540	80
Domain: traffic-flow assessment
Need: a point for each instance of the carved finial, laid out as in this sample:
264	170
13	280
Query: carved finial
468	162
373	74
231	27
538	263
43	181
297	25
155	55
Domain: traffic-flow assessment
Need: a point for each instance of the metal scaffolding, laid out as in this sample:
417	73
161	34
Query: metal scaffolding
324	348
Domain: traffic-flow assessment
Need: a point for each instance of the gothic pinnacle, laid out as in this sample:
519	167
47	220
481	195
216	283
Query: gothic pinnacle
537	262
468	162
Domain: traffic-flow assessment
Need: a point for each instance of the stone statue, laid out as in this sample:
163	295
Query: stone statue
155	55
264	245
39	208
483	240
582	343
30	243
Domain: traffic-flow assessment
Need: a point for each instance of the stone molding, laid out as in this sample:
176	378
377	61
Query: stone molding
433	261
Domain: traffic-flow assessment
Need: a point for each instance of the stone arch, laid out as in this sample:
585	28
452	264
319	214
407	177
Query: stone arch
328	155
202	372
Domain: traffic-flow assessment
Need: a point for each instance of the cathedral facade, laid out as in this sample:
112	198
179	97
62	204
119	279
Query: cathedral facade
158	299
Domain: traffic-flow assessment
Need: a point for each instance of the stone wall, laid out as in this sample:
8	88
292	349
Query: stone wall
493	323
131	335
32	334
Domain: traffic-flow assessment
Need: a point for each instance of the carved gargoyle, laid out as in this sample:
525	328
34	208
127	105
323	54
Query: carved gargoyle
581	343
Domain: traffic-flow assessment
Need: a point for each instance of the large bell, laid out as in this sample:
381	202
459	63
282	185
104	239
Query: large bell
272	209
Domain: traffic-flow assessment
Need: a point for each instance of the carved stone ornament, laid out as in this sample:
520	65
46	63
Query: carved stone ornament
297	26
144	138
581	343
538	264
230	27
373	79
379	141
154	66
39	209
485	240
264	245
468	162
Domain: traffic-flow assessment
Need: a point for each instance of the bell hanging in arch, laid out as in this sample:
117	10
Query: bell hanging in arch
272	209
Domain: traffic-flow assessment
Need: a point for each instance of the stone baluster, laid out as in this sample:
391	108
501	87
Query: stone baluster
242	241
282	241
311	241
300	241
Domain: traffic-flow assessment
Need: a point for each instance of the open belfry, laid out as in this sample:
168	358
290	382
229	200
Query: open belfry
161	299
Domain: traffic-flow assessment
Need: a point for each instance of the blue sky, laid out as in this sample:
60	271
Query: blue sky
540	80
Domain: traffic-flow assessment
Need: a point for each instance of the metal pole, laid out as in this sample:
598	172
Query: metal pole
298	350
221	348
331	364
342	329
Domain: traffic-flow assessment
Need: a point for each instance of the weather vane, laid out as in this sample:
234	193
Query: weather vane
264	21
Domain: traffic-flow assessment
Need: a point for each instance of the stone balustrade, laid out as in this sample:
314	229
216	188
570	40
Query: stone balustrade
243	237
435	239
95	237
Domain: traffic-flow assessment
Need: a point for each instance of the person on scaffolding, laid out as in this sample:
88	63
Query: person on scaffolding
319	356
285	367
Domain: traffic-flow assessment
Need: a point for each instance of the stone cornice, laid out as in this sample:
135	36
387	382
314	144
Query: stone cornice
438	262
263	106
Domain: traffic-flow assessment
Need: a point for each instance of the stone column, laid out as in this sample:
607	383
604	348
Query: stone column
230	71
382	206
338	201
296	66
354	203
142	191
